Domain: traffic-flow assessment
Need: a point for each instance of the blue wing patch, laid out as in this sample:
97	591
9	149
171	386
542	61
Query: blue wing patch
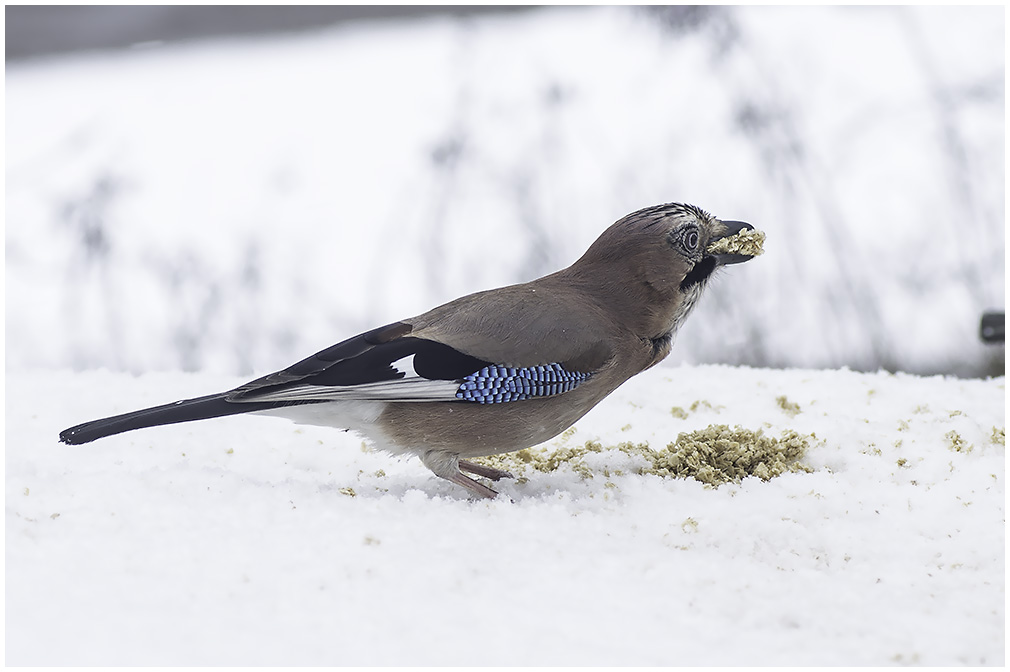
499	384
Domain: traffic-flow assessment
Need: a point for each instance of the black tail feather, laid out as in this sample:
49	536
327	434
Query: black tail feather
201	408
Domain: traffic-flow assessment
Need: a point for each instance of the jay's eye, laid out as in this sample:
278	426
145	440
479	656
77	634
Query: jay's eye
690	240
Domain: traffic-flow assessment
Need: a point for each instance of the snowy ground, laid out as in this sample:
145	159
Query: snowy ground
237	541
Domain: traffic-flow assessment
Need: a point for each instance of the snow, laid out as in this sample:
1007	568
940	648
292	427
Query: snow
226	208
239	541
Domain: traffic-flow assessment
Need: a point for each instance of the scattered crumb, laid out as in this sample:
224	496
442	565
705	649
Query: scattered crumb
707	405
26	492
957	443
748	241
902	462
230	451
912	659
678	412
998	438
689	525
348	491
371	541
55	516
789	408
954	414
903	426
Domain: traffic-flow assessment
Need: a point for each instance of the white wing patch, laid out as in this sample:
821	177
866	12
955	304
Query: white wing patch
405	365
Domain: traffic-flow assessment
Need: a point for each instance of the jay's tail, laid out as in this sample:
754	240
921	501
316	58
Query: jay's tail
201	408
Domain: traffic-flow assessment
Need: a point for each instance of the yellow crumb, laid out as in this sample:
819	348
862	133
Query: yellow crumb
748	241
790	408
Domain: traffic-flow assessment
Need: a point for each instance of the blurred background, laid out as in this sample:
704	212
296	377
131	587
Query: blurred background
230	189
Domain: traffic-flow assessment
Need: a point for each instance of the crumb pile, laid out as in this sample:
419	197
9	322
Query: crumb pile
748	241
714	455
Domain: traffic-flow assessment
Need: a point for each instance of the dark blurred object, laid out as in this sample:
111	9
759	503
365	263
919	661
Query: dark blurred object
993	327
683	18
40	30
678	20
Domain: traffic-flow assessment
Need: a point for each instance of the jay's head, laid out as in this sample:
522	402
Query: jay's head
663	258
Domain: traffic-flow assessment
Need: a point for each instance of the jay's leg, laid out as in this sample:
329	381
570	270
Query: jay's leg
447	466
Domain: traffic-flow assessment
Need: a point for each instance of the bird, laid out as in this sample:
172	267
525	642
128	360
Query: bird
495	371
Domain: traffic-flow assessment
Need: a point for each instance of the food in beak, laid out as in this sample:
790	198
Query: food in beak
748	242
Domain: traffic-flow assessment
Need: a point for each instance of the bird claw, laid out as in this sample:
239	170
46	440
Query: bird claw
484	471
475	487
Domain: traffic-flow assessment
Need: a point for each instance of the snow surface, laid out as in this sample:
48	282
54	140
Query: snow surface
226	206
238	541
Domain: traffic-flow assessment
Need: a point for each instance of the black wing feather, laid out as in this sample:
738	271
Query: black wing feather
366	358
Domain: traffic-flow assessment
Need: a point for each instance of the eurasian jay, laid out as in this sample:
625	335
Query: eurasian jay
496	371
